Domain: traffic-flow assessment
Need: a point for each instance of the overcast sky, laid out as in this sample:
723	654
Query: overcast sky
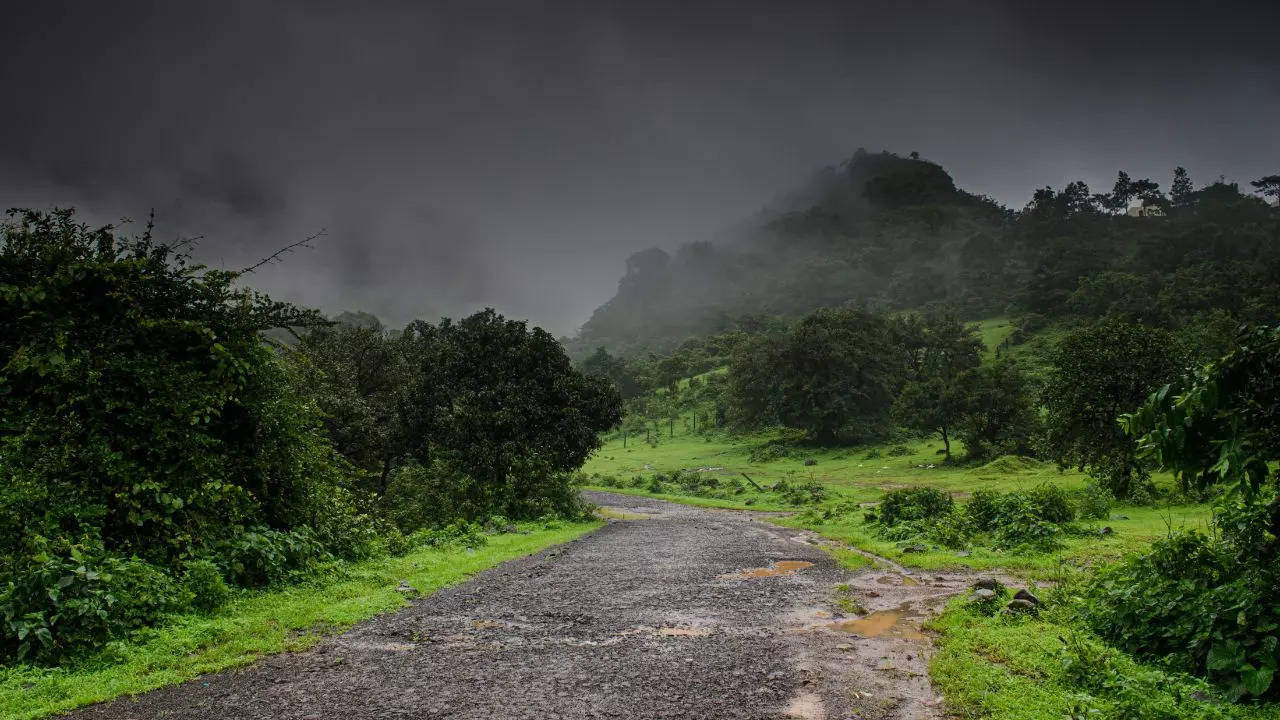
467	154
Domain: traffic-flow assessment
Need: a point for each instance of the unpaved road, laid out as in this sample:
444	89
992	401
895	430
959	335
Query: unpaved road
660	617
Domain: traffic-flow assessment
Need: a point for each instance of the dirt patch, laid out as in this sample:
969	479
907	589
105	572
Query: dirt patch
782	567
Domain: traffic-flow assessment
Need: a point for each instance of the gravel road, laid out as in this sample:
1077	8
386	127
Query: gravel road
680	613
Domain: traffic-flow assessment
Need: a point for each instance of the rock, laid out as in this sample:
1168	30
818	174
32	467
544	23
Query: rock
915	548
404	588
963	553
983	594
1026	595
1018	605
810	461
988	583
1119	517
1106	530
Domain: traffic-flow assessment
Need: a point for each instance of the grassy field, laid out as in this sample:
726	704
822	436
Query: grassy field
986	667
863	474
257	624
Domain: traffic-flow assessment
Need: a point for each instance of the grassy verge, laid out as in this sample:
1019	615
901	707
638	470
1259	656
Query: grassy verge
256	624
1043	668
1134	529
756	501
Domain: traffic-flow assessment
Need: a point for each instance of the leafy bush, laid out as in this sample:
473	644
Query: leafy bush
807	493
655	484
106	340
66	597
1052	503
898	451
1093	502
262	556
458	533
204	581
769	453
1207	605
914	503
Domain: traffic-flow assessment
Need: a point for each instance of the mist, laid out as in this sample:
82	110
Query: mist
462	155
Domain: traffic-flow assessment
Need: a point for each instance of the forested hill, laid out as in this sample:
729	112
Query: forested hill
897	232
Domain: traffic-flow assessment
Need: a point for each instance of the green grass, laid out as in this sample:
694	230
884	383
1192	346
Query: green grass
1143	526
257	624
1012	668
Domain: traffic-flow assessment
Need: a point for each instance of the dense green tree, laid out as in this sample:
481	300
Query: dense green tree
1181	188
834	375
1098	373
937	351
360	376
998	416
500	404
139	403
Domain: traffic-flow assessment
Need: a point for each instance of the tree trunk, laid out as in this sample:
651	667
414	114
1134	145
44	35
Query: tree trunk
386	472
946	445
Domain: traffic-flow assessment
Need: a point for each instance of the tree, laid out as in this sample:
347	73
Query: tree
937	351
1269	186
500	405
139	403
359	376
834	375
998	415
1181	189
1219	425
1098	373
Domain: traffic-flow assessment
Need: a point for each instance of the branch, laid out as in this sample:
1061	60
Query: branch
277	255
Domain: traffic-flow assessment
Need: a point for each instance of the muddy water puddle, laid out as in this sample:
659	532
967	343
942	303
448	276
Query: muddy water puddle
782	567
897	623
898	579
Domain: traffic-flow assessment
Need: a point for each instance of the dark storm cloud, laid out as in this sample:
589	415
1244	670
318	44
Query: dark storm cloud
464	154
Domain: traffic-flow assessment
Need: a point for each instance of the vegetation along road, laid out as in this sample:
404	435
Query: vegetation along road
671	611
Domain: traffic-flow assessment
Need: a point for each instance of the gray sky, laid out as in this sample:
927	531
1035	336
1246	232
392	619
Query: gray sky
466	154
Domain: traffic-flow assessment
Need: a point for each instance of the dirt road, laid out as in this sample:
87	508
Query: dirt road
686	613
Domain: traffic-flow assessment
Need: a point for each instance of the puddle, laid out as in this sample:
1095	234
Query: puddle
904	580
782	567
885	623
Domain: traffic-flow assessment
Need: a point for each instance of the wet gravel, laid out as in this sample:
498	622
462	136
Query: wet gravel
646	618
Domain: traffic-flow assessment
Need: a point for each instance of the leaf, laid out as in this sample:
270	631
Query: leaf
1256	681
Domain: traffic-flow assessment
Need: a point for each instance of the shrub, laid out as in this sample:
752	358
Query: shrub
898	451
64	597
1093	502
655	484
204	581
915	503
808	493
1207	605
1052	503
458	533
262	557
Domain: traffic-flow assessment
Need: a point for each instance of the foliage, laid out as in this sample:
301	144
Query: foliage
203	579
69	596
498	408
1093	502
998	415
1100	372
261	556
913	503
1219	425
949	393
92	322
359	376
1207	605
834	375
